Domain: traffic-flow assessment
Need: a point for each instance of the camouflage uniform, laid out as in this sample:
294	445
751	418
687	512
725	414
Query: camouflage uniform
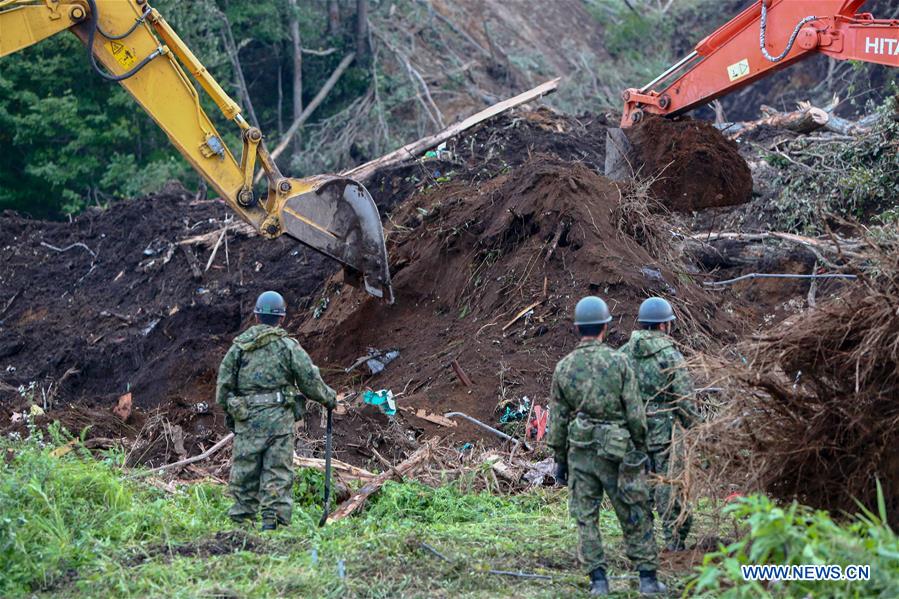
597	417
666	389
260	382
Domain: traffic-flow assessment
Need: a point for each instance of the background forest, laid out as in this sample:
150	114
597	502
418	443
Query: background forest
400	69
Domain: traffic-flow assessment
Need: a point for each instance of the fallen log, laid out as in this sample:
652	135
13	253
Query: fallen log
412	150
341	468
358	499
805	120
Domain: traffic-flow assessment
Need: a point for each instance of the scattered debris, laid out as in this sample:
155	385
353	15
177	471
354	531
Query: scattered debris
435	418
226	440
370	488
538	472
486	427
537	425
347	471
382	399
376	360
524	312
519	412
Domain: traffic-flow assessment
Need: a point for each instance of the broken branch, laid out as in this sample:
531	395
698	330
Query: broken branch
347	470
225	441
69	247
358	499
310	108
362	172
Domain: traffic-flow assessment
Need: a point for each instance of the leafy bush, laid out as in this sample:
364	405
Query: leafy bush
797	535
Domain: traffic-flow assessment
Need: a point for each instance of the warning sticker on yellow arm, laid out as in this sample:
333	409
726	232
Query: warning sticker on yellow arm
738	70
123	55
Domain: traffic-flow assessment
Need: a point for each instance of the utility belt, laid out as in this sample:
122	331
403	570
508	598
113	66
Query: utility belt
609	438
239	405
264	399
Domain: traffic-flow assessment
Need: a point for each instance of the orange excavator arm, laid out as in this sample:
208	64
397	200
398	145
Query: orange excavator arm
765	38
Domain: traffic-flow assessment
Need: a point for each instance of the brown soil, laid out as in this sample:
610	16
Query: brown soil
517	216
466	260
696	167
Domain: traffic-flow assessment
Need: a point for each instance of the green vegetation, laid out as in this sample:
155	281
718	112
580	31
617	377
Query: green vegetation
856	178
796	535
74	525
71	139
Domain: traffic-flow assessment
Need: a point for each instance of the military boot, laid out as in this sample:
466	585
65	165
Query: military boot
599	584
650	585
269	524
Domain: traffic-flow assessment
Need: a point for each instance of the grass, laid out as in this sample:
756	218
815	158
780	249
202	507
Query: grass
73	525
76	526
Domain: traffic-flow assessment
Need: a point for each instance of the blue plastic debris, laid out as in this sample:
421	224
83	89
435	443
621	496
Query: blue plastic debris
382	399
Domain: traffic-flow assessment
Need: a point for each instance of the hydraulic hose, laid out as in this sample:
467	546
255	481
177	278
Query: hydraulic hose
137	23
93	27
764	30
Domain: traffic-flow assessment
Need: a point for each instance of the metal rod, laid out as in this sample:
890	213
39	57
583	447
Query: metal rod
758	275
498	433
670	70
328	451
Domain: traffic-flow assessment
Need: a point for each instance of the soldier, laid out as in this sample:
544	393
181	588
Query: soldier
666	390
260	382
597	433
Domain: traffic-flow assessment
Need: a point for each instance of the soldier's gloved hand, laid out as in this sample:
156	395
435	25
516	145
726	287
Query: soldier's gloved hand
331	403
229	422
561	473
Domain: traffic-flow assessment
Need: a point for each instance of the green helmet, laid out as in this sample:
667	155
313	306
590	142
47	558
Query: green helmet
591	310
655	310
270	302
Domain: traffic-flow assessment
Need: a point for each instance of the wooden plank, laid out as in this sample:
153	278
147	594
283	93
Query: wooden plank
457	368
521	313
358	499
342	468
363	172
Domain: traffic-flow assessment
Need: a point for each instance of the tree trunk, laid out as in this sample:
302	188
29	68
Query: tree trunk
297	70
801	121
361	30
333	18
280	97
231	48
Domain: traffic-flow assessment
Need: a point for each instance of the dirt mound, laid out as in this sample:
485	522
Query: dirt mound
696	167
486	279
121	299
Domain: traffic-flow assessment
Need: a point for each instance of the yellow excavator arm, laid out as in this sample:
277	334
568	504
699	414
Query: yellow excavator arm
129	42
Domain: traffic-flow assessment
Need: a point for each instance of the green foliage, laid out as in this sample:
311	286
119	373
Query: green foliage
73	525
58	514
796	535
857	178
71	139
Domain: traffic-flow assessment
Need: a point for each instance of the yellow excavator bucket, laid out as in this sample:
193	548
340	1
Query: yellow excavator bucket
337	217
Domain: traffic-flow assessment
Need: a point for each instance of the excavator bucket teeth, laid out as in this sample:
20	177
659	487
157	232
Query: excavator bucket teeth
620	157
337	217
